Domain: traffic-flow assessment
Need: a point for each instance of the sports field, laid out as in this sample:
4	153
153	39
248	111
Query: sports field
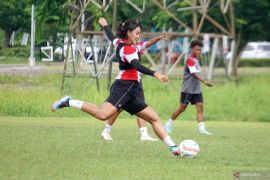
72	148
50	49
38	144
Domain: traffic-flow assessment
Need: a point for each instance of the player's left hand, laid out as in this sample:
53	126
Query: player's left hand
208	83
164	79
164	37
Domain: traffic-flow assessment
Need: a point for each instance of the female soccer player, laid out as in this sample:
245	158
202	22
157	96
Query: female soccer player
141	123
191	89
125	91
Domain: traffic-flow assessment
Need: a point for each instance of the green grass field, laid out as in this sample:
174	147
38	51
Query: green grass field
72	148
38	144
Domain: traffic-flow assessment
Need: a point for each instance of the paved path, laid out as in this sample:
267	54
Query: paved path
57	68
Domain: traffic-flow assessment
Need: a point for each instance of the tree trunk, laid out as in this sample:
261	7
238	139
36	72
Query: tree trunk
7	38
236	59
239	47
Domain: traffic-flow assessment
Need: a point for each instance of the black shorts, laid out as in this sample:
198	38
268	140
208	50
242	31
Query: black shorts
127	95
191	98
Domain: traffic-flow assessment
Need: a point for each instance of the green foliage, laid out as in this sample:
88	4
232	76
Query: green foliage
126	11
22	52
252	21
52	18
72	148
254	63
96	13
13	16
162	19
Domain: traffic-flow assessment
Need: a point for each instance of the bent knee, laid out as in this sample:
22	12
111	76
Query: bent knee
103	116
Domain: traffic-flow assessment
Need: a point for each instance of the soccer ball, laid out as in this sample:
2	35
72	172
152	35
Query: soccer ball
189	149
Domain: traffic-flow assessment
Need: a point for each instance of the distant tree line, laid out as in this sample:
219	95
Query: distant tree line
52	16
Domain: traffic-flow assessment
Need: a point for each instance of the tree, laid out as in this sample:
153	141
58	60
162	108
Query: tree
252	24
13	16
51	18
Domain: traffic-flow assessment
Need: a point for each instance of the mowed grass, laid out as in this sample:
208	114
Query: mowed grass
72	148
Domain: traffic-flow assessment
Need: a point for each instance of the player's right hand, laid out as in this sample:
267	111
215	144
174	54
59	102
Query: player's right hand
102	21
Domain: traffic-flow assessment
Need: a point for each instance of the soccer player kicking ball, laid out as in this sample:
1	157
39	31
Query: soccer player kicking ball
191	89
141	46
125	91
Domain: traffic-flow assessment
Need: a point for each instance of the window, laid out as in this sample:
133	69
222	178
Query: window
249	48
264	47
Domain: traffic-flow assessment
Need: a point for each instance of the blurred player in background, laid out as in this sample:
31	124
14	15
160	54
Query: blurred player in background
191	89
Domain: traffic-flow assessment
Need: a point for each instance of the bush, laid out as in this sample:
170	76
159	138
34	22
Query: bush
15	52
254	62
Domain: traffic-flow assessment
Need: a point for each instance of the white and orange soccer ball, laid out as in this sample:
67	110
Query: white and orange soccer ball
189	148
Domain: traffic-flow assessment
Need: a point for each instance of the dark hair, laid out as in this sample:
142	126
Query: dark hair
126	26
195	43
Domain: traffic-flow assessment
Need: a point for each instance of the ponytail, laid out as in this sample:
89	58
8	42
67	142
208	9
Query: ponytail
126	26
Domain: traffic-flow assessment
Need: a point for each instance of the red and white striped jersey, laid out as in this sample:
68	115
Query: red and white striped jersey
126	54
193	64
191	84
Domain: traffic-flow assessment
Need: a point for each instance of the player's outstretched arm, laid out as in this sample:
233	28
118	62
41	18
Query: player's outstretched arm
137	65
103	22
206	82
155	40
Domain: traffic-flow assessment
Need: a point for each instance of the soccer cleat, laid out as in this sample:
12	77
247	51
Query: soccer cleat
168	128
61	103
148	138
205	132
106	136
175	150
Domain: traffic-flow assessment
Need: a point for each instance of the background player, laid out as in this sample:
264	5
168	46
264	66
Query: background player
191	89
